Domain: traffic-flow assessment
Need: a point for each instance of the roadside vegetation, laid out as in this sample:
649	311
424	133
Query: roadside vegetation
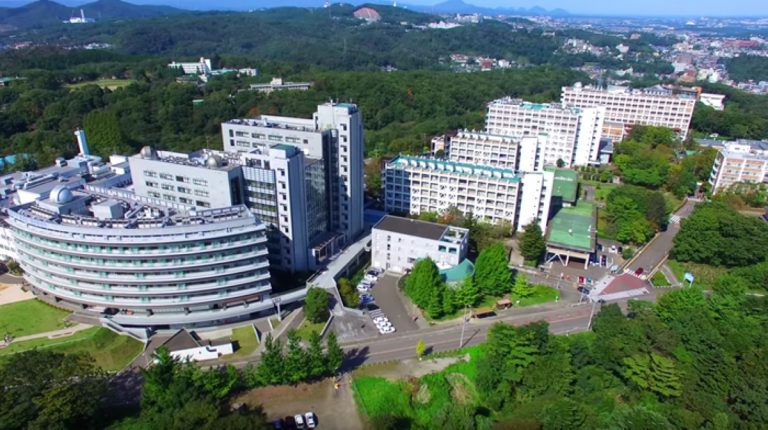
643	370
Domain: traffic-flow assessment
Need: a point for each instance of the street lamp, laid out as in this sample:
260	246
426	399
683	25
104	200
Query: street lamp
276	301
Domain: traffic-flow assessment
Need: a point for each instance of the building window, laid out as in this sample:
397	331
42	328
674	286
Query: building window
150	174
201	193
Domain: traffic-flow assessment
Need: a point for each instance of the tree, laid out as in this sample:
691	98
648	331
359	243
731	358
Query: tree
424	283
449	300
316	305
420	348
655	373
296	359
270	370
521	289
104	135
435	306
349	294
532	243
45	389
315	358
492	276
334	355
468	294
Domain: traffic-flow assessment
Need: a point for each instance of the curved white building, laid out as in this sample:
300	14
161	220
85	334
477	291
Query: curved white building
138	265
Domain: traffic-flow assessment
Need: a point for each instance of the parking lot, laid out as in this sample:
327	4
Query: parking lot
392	303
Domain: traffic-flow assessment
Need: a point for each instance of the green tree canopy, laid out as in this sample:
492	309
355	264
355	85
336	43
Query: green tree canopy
492	274
532	243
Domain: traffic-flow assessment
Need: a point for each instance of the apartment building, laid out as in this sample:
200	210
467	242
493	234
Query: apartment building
473	147
334	135
625	107
397	243
414	185
277	84
565	135
741	161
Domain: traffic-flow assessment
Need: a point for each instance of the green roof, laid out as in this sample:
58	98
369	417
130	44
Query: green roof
574	228
458	272
566	185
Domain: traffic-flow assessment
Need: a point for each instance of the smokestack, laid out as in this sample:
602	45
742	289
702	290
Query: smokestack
82	143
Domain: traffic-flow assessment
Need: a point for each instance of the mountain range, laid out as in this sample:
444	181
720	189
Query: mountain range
46	12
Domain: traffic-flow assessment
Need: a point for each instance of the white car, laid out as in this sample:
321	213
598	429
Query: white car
363	288
387	330
309	417
299	421
383	325
381	319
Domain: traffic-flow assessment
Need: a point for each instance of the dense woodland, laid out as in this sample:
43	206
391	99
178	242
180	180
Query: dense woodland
748	68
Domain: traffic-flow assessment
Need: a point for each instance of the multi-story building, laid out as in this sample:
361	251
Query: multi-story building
397	243
89	242
474	147
414	185
625	107
201	67
565	135
277	84
270	180
333	135
740	162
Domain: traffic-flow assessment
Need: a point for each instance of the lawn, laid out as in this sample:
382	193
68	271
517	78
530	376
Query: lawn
307	327
541	294
601	189
110	350
659	280
703	273
31	317
420	399
246	340
110	84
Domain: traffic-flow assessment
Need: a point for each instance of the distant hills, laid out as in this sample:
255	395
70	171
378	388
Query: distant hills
42	13
459	6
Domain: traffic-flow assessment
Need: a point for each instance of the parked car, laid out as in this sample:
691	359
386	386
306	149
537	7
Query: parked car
278	424
366	298
639	271
309	417
290	422
581	280
299	421
583	290
387	330
371	276
603	260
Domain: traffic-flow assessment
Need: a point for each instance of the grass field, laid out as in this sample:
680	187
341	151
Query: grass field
306	328
110	350
30	317
659	280
246	339
423	398
541	294
110	84
703	273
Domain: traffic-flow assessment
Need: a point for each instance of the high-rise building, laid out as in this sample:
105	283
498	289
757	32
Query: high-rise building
333	137
740	162
565	135
415	185
625	107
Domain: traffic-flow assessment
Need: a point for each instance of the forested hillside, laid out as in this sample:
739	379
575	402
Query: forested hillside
401	110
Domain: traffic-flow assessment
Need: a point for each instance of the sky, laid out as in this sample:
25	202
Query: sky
692	8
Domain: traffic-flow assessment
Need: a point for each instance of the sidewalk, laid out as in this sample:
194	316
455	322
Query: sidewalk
12	293
69	331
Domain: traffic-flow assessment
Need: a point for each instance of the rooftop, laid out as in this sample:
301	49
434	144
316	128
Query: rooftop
459	272
623	283
452	166
574	228
511	101
270	122
566	184
411	227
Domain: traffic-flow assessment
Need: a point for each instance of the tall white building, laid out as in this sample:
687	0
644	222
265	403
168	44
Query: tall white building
414	185
201	67
565	135
334	135
740	162
625	107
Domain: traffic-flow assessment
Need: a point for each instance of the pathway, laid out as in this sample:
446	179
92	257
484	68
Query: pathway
55	334
12	293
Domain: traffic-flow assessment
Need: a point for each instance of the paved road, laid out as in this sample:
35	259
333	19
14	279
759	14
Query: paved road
659	248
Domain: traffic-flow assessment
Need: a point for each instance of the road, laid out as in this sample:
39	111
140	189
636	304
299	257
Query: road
562	320
656	251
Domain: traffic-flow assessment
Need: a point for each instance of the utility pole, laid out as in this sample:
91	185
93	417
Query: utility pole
463	326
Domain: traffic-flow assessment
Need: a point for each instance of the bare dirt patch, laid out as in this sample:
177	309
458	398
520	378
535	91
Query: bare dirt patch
335	409
405	368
